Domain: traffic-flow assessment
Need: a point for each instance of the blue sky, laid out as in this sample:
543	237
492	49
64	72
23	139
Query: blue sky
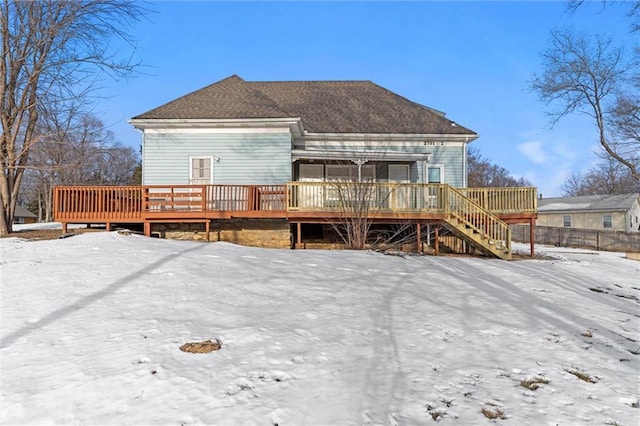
472	60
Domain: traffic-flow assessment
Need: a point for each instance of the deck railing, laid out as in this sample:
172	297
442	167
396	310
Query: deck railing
132	203
475	217
98	203
379	197
503	200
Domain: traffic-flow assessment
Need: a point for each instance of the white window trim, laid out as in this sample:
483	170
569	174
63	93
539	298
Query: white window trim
434	166
199	157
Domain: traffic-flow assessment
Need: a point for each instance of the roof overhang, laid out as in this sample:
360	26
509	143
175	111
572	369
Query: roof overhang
301	154
294	124
391	137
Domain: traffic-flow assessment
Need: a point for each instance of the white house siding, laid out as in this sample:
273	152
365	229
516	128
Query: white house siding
633	218
239	158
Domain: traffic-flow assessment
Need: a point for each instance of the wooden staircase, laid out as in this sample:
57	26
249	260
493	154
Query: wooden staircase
477	226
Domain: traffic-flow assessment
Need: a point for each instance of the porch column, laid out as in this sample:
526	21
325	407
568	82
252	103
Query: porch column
359	162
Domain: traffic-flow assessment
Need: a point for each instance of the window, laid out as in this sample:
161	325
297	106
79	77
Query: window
567	221
200	170
398	173
344	172
606	221
311	172
435	174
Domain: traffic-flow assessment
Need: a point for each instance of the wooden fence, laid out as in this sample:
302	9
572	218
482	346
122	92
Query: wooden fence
584	238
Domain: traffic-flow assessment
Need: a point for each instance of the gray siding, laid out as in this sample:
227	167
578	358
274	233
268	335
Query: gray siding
244	159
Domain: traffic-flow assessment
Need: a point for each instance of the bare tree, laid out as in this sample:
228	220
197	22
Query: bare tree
482	173
76	149
633	9
52	47
606	177
589	75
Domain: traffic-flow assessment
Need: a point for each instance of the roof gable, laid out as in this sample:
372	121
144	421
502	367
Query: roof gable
23	212
323	107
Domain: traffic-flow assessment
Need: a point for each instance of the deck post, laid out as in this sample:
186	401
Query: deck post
418	237
108	226
532	235
436	243
147	229
207	229
299	235
64	227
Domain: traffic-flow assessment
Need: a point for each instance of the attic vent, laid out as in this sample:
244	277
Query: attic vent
453	124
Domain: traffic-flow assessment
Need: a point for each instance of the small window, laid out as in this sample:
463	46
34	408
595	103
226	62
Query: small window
435	174
567	221
606	221
201	170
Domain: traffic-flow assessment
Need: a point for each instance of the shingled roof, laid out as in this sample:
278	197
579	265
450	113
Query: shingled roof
614	202
323	107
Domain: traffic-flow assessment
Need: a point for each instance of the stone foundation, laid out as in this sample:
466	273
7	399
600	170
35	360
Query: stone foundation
267	233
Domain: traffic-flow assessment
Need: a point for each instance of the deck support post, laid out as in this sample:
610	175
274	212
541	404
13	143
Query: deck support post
108	226
147	229
298	235
532	235
207	229
418	237
436	242
64	227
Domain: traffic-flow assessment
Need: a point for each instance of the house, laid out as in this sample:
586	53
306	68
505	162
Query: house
266	164
22	215
619	212
241	132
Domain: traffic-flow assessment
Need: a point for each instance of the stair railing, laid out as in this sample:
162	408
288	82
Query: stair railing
478	219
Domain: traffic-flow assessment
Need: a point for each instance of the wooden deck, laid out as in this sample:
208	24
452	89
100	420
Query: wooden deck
297	202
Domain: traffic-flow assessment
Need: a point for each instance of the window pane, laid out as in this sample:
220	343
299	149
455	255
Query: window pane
368	173
340	172
567	221
398	173
200	170
435	175
607	221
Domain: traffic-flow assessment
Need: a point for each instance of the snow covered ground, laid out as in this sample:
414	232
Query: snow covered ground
91	328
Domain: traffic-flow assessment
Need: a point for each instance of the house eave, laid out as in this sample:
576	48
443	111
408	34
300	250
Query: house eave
577	211
391	137
301	154
294	124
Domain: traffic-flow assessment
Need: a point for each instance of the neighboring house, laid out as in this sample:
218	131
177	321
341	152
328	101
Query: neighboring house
240	132
22	215
619	212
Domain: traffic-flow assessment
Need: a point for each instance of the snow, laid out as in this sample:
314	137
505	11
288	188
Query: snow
564	206
91	328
